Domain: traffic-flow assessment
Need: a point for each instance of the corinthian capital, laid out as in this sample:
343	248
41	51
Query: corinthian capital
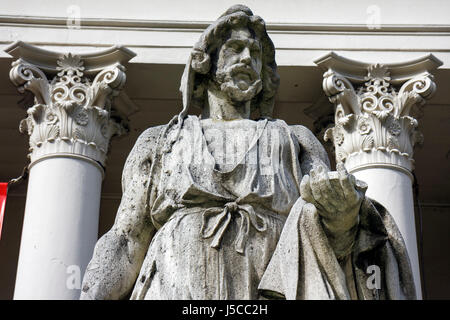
75	110
376	108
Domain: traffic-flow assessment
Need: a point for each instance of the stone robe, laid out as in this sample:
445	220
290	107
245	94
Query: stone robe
220	233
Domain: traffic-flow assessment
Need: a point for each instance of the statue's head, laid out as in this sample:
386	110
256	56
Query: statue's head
236	55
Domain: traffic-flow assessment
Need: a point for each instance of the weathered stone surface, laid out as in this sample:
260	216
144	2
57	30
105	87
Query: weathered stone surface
225	207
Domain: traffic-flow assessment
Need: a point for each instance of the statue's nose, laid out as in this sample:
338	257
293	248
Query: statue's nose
245	56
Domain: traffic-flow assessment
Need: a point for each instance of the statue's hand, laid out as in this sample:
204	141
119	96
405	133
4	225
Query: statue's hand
336	195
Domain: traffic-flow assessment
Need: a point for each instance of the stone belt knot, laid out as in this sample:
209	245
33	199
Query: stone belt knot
216	220
232	207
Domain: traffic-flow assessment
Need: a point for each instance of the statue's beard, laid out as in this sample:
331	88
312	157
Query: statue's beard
240	82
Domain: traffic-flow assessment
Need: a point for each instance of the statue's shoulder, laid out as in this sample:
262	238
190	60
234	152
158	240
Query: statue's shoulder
311	147
302	133
142	154
151	135
146	144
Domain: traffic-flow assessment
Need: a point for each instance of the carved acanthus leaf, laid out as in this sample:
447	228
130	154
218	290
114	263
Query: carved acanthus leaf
381	114
345	120
328	135
367	143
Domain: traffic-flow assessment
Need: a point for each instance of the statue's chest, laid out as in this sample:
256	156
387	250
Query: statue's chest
222	162
229	144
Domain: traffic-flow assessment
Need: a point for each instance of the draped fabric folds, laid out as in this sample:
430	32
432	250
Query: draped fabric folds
304	266
220	233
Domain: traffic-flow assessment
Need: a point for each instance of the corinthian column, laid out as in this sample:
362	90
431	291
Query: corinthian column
375	130
70	124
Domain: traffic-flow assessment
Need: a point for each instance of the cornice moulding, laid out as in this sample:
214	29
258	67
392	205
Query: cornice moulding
356	71
201	25
46	60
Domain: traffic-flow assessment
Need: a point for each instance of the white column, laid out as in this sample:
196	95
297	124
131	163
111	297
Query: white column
375	131
60	227
70	126
393	189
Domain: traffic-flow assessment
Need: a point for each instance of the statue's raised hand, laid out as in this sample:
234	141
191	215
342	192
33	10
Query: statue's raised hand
337	195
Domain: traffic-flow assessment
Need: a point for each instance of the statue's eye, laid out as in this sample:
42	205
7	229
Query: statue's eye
236	47
255	50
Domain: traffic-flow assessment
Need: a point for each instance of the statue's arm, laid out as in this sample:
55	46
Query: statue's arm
118	255
333	194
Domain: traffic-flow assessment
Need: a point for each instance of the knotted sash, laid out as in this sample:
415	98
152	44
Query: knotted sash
216	220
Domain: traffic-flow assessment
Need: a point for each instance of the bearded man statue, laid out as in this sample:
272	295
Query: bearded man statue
234	204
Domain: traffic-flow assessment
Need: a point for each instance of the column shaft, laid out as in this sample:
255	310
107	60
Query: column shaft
393	189
60	228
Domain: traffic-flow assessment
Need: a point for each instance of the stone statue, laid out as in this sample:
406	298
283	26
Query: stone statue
220	206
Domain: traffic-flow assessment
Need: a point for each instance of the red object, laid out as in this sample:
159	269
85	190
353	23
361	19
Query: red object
3	194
